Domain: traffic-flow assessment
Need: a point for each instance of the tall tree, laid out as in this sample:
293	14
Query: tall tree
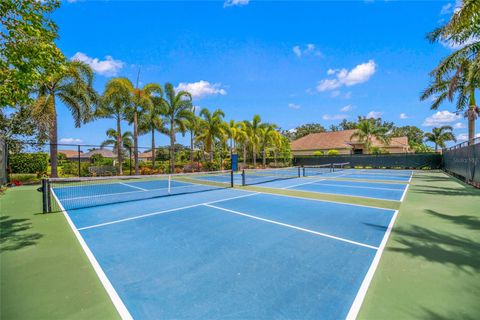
439	136
178	111
367	130
211	127
307	129
115	101
243	140
73	87
126	141
28	52
193	124
414	134
266	137
253	130
459	73
151	121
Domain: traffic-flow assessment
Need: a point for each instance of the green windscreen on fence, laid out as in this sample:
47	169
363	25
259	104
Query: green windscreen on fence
3	162
400	161
463	160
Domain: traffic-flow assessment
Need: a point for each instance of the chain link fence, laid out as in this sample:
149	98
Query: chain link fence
463	161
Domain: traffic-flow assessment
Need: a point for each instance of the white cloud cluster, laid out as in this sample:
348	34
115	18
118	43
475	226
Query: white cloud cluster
294	106
446	8
232	3
403	116
346	108
70	140
374	114
344	77
309	49
464	136
201	89
330	117
459	125
107	67
441	118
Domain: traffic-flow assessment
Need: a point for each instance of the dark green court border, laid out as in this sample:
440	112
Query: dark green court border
44	272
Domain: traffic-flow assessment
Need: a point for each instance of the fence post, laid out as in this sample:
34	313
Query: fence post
130	156
79	162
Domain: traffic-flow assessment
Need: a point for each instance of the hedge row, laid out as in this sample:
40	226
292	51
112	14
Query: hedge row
28	162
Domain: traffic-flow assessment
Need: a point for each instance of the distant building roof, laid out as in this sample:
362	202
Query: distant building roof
70	153
340	140
104	152
145	155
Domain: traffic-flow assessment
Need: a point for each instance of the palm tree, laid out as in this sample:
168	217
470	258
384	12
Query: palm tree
126	140
459	73
73	86
242	139
367	130
439	136
211	127
151	121
253	130
278	141
266	135
113	104
178	106
192	126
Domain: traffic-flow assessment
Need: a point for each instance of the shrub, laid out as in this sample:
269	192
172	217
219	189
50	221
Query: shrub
25	178
333	152
318	153
378	150
29	162
211	166
71	168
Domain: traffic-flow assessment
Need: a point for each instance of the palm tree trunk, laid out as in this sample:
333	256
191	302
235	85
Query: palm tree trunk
153	148
264	159
275	157
471	115
244	154
53	146
191	146
436	147
211	151
135	140
172	147
254	156
119	146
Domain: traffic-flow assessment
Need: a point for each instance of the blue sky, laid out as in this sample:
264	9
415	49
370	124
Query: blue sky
291	62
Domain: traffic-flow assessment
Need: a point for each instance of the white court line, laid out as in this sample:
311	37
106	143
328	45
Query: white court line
357	303
117	301
163	211
404	193
322	200
310	182
129	185
294	227
351	186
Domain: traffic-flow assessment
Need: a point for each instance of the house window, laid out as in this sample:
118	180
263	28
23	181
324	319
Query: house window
357	151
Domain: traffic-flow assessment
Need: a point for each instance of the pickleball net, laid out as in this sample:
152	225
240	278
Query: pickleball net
76	193
258	176
336	167
317	169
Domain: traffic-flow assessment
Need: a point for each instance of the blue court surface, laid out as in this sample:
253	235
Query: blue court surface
233	254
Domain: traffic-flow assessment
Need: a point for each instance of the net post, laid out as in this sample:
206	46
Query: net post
49	196
231	178
303	171
299	174
130	157
243	177
332	168
79	164
44	195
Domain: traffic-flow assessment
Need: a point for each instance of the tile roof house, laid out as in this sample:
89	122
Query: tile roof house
145	156
341	141
104	152
70	154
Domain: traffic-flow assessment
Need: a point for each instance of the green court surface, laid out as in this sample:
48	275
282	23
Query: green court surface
429	269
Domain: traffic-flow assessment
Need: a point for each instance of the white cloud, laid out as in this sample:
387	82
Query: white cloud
334	116
297	51
201	88
441	118
346	108
347	95
107	67
374	114
403	116
231	3
309	49
455	46
447	9
459	125
70	140
344	77
294	106
464	136
335	93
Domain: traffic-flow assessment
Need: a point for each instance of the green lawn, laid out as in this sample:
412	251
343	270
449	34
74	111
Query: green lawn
429	270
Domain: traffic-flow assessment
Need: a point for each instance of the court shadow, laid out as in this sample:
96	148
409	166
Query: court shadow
14	235
445	248
444	191
376	226
434	315
471	222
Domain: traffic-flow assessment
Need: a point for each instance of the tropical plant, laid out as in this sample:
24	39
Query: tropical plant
126	140
439	136
192	126
253	131
115	101
150	121
266	137
459	73
243	140
73	86
367	130
211	127
177	112
333	152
